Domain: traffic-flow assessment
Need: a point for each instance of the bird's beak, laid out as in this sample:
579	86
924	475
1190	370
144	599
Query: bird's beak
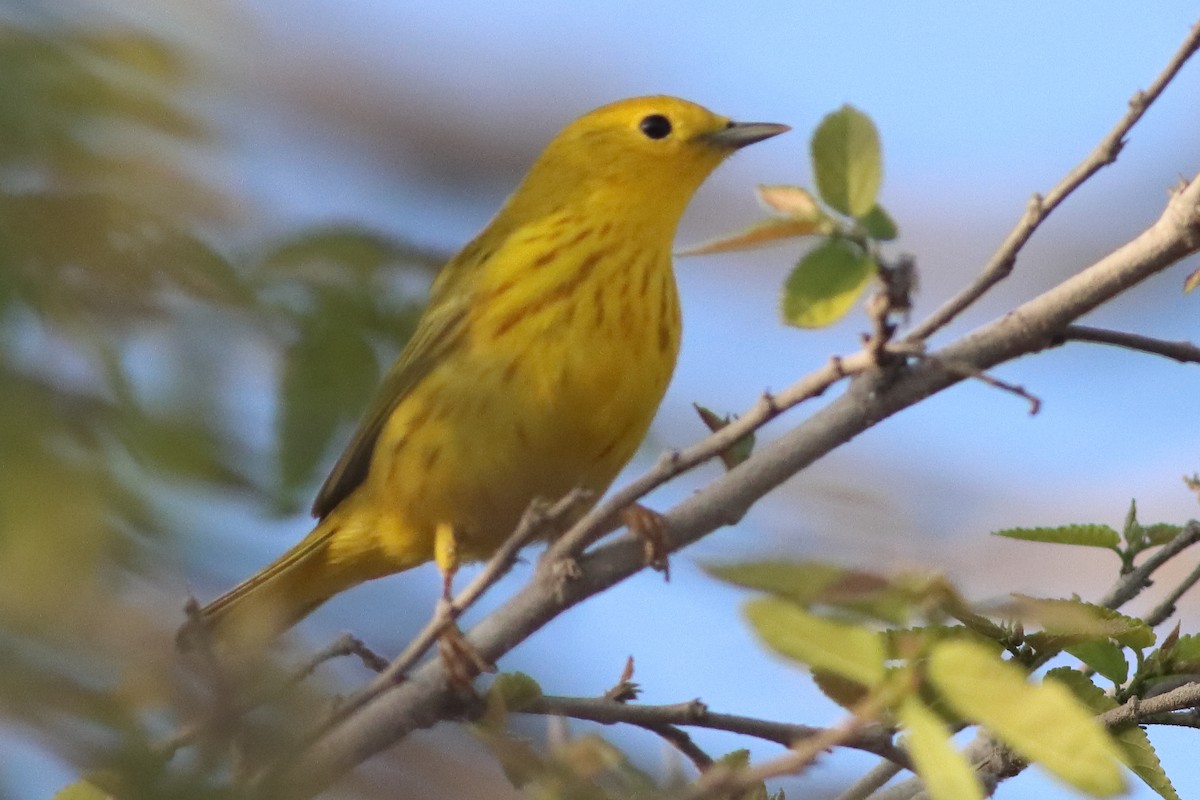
739	134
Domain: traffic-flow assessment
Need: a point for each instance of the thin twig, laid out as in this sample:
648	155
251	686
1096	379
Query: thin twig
602	519
344	645
873	739
533	523
868	784
967	371
1039	207
679	739
1131	584
725	781
1167	607
1183	352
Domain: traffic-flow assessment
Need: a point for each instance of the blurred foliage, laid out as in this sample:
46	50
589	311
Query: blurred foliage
910	650
125	327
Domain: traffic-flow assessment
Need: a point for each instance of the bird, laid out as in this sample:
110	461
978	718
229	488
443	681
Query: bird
536	368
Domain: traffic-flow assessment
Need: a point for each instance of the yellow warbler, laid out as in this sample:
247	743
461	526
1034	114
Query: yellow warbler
543	354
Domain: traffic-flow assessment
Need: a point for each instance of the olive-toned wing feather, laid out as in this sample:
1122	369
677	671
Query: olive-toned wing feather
441	327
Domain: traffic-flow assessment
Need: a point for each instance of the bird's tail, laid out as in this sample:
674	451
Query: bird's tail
274	599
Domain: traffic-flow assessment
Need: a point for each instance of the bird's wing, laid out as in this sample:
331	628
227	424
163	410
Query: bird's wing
440	328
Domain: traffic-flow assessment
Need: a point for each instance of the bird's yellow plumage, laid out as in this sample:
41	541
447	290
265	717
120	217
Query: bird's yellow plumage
546	347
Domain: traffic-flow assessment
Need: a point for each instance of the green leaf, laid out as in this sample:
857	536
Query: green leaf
1079	621
1042	723
329	373
809	583
1086	535
847	161
826	283
843	691
516	689
847	650
800	581
942	768
736	453
1134	534
1131	739
740	760
350	250
879	225
1183	656
1104	657
1160	533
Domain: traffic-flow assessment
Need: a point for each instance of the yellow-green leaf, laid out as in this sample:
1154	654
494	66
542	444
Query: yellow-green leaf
1042	723
826	283
846	161
1083	535
942	768
1132	739
847	650
82	791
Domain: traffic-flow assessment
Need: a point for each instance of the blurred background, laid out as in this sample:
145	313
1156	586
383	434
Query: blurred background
218	221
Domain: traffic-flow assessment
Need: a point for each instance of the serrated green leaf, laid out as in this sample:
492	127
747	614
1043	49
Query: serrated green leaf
847	650
1131	739
942	768
1104	657
1079	621
1042	723
328	375
1084	535
826	283
879	225
1160	533
846	161
1183	656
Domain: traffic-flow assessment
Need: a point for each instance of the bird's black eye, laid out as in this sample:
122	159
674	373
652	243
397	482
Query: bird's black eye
655	126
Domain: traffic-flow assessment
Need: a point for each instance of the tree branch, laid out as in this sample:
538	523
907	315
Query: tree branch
1039	207
873	739
1183	352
